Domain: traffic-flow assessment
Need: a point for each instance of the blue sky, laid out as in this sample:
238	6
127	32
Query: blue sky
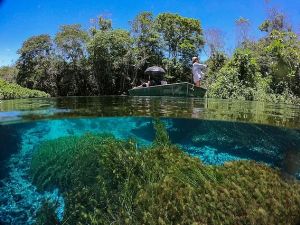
20	19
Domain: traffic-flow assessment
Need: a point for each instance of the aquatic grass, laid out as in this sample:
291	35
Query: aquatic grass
46	215
109	181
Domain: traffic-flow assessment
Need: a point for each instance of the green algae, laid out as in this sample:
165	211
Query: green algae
109	181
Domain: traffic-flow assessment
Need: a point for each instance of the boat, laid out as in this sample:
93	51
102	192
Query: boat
183	89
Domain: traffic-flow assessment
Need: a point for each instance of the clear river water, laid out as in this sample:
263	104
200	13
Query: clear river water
216	131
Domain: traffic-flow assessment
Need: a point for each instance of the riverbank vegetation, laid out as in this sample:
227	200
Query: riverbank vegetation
105	180
12	91
105	61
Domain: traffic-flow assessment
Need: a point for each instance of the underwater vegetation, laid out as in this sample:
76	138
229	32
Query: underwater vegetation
105	180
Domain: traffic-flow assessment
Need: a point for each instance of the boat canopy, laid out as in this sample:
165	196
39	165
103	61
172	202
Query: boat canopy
155	73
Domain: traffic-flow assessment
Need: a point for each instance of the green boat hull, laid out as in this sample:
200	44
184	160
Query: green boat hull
177	90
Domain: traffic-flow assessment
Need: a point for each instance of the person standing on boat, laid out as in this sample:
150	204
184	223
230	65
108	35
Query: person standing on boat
198	71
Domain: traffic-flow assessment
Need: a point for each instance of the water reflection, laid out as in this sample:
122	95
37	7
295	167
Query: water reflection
211	109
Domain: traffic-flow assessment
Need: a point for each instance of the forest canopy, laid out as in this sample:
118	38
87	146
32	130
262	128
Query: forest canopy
108	61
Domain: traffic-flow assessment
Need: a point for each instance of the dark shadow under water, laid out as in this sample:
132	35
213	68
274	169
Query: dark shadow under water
10	140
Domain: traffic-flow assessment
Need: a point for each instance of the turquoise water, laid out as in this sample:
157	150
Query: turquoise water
215	142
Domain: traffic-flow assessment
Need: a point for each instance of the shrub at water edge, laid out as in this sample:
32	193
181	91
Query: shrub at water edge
105	181
12	91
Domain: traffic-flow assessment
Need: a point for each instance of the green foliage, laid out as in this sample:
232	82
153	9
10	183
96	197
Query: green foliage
36	46
242	29
46	215
216	61
228	85
245	63
34	60
108	61
146	39
182	36
104	24
11	91
8	73
284	48
161	137
105	181
276	21
263	70
71	40
110	55
268	70
177	71
146	50
237	79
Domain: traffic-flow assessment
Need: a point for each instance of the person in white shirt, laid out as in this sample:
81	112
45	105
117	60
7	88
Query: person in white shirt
198	71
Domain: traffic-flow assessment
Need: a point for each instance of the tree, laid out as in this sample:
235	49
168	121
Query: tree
108	61
100	23
242	30
276	20
104	24
182	38
146	48
245	63
34	61
146	37
284	48
214	40
216	61
181	35
71	41
109	53
9	73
